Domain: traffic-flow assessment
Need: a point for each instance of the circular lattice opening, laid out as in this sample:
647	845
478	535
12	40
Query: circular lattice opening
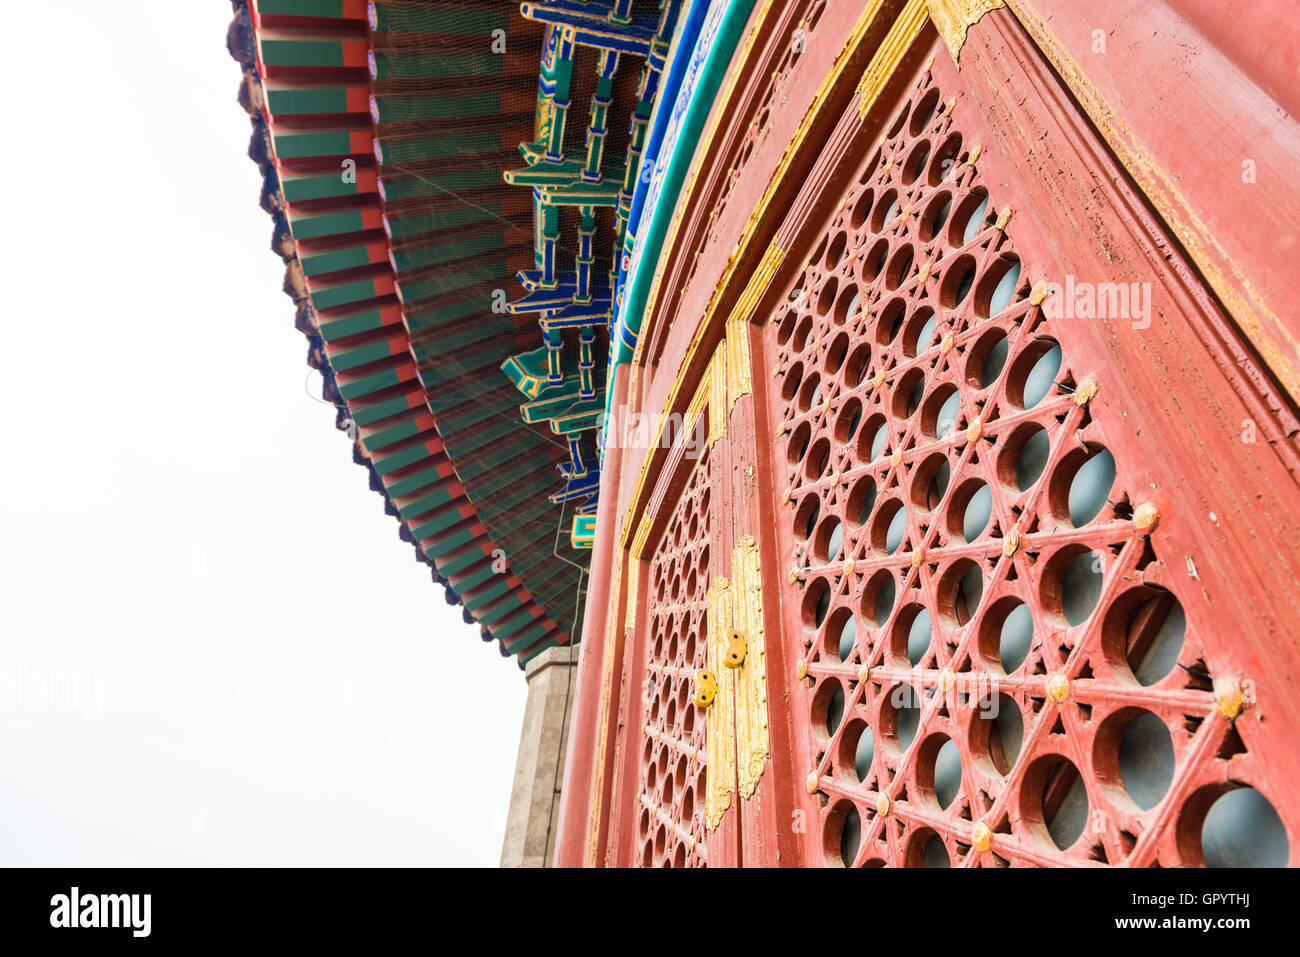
908	392
810	391
910	637
968	220
935	215
1081	484
872	439
842	633
1227	826
786	327
818	459
816	603
856	751
1024	456
917	160
997	286
888	527
900	715
899	268
970	509
842	834
1134	747
793	378
997	733
938	770
834	256
926	849
1006	634
1071	586
848	307
1033	373
835	354
798	444
862	208
805	516
1142	633
802	333
826	296
885	210
924	111
918	334
873	263
944	161
986	358
940	411
878	597
890	322
828	539
855	370
846	423
957	281
1053	801
828	707
961	586
930	481
862	499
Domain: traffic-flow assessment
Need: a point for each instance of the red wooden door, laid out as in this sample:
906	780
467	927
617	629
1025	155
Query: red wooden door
696	744
1022	607
673	774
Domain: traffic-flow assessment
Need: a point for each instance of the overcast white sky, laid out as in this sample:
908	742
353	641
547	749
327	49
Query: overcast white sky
268	675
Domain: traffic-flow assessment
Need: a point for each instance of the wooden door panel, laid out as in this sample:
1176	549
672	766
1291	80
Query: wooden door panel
679	763
998	585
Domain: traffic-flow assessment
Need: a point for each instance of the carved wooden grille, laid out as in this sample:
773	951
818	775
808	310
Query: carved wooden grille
803	35
970	578
797	42
670	820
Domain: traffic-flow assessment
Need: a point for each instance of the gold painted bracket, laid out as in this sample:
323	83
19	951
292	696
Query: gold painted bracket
954	18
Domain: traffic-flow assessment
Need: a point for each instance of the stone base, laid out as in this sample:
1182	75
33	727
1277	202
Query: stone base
539	769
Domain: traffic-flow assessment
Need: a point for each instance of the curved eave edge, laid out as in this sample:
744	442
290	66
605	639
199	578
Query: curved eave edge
460	554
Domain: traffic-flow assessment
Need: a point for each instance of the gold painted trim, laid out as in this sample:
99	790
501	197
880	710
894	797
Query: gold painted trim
753	746
1246	310
900	38
719	720
740	378
717	376
953	18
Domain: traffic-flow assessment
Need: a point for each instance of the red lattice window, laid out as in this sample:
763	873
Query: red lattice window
998	667
670	819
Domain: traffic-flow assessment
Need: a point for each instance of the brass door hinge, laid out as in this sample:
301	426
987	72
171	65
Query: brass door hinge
706	688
